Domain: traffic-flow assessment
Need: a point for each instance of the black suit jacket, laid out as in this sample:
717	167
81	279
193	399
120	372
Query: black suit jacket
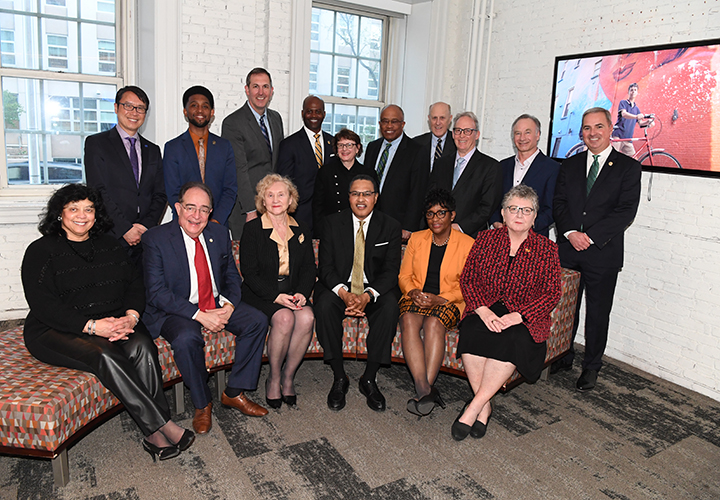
297	161
252	158
382	252
259	261
478	191
541	176
604	214
403	193
107	168
425	143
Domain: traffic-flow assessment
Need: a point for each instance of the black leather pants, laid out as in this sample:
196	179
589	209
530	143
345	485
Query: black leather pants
127	368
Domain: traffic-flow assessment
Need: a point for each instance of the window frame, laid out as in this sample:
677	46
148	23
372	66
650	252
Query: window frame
382	88
124	31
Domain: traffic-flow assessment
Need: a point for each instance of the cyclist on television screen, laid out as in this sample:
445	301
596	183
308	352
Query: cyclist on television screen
628	115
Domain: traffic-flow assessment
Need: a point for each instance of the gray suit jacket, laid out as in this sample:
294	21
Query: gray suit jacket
252	158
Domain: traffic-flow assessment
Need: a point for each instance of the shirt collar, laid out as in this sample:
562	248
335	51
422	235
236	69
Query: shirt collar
124	135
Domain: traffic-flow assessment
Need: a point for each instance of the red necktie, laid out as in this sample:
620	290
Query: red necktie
205	295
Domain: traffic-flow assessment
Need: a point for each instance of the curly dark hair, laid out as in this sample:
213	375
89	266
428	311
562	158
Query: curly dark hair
440	196
49	219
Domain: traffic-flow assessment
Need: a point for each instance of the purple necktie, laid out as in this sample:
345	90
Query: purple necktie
134	160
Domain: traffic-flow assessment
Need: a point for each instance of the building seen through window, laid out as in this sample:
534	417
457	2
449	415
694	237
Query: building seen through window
58	76
347	51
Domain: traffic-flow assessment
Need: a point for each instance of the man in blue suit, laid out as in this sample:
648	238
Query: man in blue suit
199	156
303	153
191	281
532	168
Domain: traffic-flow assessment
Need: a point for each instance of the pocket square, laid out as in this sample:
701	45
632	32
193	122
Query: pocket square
381	244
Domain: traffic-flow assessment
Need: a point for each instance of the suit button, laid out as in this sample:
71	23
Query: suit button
584	213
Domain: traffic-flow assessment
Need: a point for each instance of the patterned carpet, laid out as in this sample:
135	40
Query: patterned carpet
634	437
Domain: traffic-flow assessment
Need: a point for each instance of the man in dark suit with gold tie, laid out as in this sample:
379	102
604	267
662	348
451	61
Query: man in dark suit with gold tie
358	276
596	199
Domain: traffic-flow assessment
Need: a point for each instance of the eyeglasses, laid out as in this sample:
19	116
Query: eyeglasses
192	209
387	122
129	107
364	194
347	145
440	214
513	209
464	131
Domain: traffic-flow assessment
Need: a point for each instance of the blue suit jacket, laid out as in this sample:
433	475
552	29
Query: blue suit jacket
296	160
541	176
181	165
167	273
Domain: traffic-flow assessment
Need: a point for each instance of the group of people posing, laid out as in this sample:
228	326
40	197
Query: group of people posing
105	278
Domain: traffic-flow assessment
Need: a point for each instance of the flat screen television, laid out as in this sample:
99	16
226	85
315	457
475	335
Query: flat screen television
677	95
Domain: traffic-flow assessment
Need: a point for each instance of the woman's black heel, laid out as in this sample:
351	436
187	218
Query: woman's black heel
426	404
165	453
185	441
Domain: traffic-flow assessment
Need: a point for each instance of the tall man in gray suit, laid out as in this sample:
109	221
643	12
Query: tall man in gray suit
255	133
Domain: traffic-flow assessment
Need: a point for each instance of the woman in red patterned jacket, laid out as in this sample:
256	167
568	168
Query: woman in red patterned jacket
511	283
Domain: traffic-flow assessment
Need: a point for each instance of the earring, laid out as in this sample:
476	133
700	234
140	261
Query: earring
59	217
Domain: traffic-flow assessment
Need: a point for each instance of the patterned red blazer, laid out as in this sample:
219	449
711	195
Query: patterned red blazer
530	285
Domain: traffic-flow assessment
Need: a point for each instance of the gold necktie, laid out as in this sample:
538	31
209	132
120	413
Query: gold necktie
201	158
356	282
318	151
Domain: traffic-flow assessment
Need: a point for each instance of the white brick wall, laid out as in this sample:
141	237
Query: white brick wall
666	318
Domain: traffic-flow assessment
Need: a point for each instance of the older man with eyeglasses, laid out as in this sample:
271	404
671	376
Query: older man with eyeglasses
127	169
191	282
474	179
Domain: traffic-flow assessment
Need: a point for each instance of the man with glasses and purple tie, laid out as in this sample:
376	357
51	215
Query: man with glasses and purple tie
255	132
473	178
127	169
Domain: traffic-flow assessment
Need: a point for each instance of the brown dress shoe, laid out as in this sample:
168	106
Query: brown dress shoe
202	421
243	403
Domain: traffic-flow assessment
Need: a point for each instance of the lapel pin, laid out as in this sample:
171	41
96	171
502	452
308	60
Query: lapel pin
610	164
211	240
214	143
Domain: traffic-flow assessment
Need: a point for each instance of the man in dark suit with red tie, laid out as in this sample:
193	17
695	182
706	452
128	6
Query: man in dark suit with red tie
596	199
303	153
127	169
191	282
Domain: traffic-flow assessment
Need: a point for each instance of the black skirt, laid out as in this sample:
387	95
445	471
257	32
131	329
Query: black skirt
514	344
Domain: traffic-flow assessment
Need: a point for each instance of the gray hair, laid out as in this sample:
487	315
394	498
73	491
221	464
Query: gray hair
440	102
597	110
524	192
393	105
468	114
526	116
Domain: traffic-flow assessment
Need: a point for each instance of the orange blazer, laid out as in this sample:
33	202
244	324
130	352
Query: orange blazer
413	270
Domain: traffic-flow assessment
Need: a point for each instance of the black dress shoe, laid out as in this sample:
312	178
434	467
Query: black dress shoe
185	441
336	396
375	399
479	429
272	403
560	366
164	453
587	380
412	407
289	400
459	430
427	404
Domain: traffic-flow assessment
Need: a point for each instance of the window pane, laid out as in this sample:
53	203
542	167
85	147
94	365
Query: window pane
324	74
66	8
98	50
368	86
22	30
46	123
360	119
370	38
60	46
344	77
100	10
325	32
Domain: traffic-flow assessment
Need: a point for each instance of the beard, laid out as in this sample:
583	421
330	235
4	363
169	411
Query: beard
198	124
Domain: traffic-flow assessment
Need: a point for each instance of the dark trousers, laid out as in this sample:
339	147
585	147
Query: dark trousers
127	368
381	314
249	327
599	285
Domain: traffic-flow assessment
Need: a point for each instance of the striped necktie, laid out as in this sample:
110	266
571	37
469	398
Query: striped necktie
265	134
383	162
318	151
592	175
438	149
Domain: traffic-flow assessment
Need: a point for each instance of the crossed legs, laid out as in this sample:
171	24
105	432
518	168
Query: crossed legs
486	377
423	358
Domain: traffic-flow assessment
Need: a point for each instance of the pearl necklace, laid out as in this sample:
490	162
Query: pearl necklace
441	244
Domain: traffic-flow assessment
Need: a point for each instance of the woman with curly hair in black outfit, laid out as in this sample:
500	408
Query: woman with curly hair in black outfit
85	301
